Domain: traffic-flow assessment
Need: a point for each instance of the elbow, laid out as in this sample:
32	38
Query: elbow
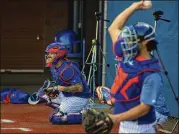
110	29
146	110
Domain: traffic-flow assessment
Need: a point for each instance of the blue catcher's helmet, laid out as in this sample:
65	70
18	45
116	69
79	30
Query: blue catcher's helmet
129	38
145	31
68	38
56	48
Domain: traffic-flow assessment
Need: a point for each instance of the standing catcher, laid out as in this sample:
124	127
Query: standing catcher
137	83
68	94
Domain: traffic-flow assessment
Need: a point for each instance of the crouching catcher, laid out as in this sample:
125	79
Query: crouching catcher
68	93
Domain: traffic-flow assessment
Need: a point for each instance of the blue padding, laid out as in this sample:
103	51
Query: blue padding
14	96
66	119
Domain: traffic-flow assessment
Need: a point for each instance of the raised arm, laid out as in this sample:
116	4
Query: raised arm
120	20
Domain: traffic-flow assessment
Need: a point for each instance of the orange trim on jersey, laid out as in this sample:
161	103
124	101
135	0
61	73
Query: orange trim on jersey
118	58
127	86
129	83
119	79
149	70
140	58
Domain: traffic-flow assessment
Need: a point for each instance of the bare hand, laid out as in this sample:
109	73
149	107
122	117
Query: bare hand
141	5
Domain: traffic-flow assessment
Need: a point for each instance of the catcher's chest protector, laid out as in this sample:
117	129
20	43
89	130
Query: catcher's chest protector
129	77
127	85
63	74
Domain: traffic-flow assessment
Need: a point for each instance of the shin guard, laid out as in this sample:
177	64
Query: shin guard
59	118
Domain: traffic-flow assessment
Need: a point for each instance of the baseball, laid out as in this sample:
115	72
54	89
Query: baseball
147	3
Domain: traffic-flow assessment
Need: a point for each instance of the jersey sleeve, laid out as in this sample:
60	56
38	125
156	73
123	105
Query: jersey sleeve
151	89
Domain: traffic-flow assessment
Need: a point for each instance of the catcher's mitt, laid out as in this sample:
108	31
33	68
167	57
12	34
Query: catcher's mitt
50	89
96	122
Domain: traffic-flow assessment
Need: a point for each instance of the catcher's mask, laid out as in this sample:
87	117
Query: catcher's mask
54	51
127	46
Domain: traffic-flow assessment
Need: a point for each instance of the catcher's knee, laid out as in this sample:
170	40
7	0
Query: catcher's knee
58	117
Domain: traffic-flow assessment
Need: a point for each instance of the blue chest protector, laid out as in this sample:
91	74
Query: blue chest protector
67	75
127	86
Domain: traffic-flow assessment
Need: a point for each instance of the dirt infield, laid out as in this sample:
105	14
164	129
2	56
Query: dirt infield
24	118
33	119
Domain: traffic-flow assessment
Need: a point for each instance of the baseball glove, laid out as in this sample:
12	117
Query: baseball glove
50	89
96	122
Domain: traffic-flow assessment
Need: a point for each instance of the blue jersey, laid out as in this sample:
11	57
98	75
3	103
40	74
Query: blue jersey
154	97
67	75
128	85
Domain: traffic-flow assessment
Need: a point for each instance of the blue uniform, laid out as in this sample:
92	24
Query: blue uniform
67	75
68	105
154	97
130	88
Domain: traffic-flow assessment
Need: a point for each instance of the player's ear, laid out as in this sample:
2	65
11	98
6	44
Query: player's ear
151	45
140	38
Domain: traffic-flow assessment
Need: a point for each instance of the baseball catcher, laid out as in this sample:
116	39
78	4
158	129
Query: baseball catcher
68	93
137	82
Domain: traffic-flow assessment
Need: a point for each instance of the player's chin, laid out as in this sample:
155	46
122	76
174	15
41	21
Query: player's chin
49	60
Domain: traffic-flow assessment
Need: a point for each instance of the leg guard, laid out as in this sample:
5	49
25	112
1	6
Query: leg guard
57	117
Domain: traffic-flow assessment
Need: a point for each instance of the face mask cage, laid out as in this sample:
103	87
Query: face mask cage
46	55
49	64
130	44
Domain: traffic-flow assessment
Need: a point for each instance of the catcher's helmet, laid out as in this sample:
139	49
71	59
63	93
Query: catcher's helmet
67	37
130	36
57	48
145	31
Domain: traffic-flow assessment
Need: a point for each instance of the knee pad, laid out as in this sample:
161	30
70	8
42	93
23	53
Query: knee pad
57	117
